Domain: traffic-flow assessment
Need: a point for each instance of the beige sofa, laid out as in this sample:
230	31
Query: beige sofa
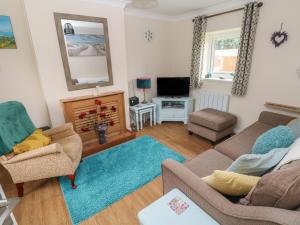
187	178
60	158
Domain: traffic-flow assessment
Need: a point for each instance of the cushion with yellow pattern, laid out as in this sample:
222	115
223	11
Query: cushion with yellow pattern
230	183
36	140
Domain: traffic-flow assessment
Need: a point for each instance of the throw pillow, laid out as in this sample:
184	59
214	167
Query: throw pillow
258	164
292	155
34	141
295	127
278	137
280	189
229	183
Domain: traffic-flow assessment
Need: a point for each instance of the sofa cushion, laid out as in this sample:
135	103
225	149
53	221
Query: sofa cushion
295	126
292	155
280	189
213	119
277	137
230	183
258	164
205	163
243	142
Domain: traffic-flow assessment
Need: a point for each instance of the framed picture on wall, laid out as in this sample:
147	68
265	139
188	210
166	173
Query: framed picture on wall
85	51
7	37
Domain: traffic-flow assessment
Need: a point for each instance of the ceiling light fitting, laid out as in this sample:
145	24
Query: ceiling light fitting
144	4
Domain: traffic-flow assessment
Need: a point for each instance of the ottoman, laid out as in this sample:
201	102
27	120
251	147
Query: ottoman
211	124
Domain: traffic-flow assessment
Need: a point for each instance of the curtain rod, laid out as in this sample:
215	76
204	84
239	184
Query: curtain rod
230	11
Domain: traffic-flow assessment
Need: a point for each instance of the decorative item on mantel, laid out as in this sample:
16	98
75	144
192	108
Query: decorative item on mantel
279	37
97	91
101	121
143	83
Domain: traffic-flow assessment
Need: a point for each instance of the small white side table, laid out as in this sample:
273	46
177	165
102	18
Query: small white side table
142	116
161	213
138	111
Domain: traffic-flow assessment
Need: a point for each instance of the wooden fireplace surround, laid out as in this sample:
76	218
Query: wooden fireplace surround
83	113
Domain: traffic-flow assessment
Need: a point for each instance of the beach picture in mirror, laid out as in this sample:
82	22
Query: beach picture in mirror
84	46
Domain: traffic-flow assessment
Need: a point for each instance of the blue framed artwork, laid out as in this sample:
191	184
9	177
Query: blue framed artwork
7	38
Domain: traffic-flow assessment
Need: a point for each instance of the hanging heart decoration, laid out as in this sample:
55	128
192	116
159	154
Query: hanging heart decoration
279	37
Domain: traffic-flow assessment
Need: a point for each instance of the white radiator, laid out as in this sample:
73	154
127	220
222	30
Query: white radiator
214	100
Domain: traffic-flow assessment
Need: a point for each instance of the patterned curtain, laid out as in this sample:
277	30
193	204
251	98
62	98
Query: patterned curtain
198	51
242	73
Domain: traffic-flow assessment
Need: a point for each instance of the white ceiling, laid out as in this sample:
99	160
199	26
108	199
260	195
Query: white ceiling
179	7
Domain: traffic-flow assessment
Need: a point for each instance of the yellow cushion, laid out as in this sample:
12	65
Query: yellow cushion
36	140
230	183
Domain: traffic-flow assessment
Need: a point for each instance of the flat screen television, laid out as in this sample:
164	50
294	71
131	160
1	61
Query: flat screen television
173	86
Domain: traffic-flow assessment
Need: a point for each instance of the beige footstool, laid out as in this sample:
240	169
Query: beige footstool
211	124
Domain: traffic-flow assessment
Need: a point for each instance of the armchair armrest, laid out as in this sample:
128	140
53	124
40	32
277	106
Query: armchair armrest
40	152
60	132
176	175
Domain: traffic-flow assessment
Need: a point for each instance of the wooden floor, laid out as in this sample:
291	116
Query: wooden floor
44	204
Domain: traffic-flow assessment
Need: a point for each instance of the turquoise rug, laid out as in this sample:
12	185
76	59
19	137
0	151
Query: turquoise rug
109	176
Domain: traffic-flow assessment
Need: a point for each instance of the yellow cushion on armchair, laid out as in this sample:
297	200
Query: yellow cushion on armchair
36	140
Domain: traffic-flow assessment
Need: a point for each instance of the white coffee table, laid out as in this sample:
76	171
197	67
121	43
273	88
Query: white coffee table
160	212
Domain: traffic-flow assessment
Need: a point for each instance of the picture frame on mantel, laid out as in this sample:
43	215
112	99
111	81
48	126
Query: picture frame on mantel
85	50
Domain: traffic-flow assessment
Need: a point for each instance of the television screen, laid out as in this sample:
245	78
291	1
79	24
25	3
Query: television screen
173	86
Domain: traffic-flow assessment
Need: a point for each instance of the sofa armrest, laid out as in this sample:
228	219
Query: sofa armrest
60	132
174	171
176	175
274	119
40	152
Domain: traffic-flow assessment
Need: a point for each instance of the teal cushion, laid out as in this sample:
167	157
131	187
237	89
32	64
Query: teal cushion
258	164
278	137
295	127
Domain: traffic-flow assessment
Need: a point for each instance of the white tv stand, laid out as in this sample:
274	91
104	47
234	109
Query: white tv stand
173	109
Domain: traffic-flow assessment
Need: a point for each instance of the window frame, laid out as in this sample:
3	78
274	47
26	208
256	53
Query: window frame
209	52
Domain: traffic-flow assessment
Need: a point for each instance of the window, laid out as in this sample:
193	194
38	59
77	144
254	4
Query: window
221	53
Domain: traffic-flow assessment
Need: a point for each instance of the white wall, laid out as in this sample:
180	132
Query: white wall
18	74
181	50
150	59
46	47
273	75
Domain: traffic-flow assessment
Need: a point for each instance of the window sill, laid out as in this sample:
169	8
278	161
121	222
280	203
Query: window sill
218	80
